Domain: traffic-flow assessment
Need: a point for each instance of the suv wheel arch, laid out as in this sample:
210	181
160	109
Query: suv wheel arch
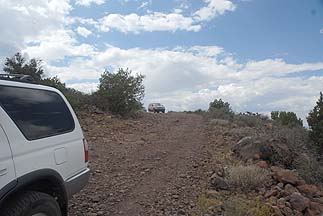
46	181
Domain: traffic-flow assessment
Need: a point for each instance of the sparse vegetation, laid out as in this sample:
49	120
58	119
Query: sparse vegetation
76	98
17	64
219	109
315	123
246	177
250	119
286	118
205	203
236	207
121	92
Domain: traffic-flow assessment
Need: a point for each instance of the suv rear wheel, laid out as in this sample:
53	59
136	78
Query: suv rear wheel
32	203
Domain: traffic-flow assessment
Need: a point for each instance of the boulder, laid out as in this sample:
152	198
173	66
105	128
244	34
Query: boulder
247	148
286	176
299	202
219	183
270	193
273	150
308	190
290	189
315	208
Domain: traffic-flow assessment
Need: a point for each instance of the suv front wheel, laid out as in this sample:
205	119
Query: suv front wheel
32	203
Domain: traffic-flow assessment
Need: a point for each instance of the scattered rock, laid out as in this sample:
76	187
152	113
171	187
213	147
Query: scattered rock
219	183
262	164
271	193
290	189
212	193
315	208
287	176
299	202
308	190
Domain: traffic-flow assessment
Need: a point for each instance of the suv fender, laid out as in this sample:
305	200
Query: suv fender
45	180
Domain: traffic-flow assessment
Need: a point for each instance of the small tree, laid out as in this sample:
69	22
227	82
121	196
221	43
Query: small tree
121	92
286	118
76	98
220	110
18	65
315	123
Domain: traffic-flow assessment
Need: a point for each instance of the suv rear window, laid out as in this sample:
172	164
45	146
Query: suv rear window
37	113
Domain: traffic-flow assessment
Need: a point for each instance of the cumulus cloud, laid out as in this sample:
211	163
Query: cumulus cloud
150	22
214	8
89	2
56	45
23	20
158	21
189	78
83	31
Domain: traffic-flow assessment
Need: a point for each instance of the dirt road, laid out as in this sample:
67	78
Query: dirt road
153	165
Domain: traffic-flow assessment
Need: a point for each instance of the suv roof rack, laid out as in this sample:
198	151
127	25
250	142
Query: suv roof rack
17	78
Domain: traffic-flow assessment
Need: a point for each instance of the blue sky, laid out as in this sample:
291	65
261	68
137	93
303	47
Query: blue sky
260	55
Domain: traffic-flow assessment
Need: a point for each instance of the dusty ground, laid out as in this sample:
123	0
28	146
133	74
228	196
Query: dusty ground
153	165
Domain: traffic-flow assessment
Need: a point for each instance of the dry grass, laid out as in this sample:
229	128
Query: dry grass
236	207
205	203
246	177
242	207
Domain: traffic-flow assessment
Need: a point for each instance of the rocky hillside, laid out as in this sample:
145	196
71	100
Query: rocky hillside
184	164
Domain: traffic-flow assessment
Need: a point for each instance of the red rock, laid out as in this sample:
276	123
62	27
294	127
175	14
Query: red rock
262	164
270	193
316	207
287	176
308	190
299	202
275	169
319	193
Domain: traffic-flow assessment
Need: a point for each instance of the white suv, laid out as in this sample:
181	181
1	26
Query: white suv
43	153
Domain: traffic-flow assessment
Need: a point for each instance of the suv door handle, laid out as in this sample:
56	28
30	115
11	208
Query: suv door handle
3	171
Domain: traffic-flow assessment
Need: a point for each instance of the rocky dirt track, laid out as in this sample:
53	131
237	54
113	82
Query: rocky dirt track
152	165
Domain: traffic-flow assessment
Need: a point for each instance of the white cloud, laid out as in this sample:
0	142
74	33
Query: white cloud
213	9
23	20
150	22
143	5
89	2
86	87
189	78
158	21
56	45
83	31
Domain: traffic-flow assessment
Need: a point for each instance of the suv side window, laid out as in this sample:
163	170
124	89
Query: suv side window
37	113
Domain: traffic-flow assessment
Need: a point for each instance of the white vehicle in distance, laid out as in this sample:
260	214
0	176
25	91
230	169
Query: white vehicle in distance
156	108
43	153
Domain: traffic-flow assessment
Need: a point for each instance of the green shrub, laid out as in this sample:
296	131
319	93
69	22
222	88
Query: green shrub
17	64
286	118
315	123
219	109
120	92
76	98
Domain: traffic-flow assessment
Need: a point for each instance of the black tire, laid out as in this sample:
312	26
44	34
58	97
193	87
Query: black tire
30	203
